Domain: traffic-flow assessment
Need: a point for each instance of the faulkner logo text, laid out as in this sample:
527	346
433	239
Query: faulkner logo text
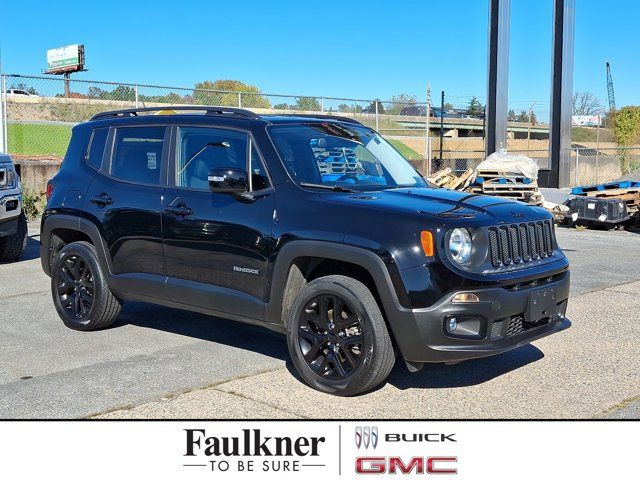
234	453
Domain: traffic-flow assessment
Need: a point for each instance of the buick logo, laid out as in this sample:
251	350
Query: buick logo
366	436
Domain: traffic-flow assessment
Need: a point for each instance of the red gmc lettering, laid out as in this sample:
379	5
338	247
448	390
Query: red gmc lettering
379	465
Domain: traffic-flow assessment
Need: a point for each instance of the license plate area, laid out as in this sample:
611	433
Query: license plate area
542	305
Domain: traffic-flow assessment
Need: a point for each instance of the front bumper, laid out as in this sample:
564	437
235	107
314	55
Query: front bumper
505	318
10	209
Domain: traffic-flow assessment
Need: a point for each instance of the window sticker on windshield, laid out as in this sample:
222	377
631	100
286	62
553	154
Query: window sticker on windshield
152	164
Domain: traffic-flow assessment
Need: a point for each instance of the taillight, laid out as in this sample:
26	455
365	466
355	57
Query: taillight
49	190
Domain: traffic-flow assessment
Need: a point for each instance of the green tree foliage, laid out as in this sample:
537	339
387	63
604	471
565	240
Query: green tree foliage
400	101
309	104
511	116
475	108
120	93
371	108
215	93
448	106
344	108
626	131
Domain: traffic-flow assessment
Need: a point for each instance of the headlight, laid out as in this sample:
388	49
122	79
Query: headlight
8	177
460	245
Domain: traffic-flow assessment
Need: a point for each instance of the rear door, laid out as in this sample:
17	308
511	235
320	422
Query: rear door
216	245
125	199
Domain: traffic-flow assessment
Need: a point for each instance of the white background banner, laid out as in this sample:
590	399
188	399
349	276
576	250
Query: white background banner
310	450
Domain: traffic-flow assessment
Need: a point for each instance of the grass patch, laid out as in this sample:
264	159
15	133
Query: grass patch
38	139
406	152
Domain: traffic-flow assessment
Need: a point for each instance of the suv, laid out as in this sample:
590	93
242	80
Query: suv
13	224
226	212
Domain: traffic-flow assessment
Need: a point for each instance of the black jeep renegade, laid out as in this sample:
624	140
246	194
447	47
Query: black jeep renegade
314	226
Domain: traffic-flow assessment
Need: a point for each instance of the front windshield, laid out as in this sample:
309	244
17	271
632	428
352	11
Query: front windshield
352	157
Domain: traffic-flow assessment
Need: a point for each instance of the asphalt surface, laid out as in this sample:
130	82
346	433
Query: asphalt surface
157	362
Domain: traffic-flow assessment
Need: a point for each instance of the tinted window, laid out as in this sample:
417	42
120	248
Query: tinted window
137	155
350	156
96	147
200	149
259	178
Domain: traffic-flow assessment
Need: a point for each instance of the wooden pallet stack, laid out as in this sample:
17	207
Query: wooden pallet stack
490	182
627	191
506	184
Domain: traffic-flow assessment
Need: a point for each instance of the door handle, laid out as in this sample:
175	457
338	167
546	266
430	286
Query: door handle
178	210
102	200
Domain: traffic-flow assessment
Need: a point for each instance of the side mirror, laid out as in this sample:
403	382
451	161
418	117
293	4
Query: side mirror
229	180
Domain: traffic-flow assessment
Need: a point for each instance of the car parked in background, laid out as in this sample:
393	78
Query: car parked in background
13	224
15	92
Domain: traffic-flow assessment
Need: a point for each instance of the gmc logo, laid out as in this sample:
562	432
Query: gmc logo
418	465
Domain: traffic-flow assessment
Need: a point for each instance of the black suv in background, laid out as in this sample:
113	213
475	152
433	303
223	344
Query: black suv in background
314	226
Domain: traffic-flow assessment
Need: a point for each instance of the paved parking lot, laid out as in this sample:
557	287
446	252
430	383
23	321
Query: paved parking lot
159	362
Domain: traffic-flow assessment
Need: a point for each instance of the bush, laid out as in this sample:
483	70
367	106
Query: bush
32	204
626	130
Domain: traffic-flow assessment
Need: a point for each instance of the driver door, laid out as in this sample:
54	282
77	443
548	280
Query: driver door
216	246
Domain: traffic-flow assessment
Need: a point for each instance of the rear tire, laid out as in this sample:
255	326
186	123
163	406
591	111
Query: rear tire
338	338
13	246
80	292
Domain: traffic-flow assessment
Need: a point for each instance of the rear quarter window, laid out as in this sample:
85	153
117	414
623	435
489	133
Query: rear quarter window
95	152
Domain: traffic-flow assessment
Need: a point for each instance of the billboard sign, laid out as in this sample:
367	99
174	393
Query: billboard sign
66	59
585	120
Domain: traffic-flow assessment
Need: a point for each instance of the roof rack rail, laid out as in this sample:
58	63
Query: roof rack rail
210	110
319	116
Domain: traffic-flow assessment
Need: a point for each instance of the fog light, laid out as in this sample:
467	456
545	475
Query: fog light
453	324
465	298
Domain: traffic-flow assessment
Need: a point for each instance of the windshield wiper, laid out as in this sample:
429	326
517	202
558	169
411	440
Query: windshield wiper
335	188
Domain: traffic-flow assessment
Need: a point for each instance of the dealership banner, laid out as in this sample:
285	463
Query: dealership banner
319	449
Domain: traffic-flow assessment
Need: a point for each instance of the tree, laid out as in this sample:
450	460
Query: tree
511	116
586	103
400	101
371	108
475	108
344	108
626	130
448	106
523	117
121	92
532	118
217	93
281	106
95	92
310	104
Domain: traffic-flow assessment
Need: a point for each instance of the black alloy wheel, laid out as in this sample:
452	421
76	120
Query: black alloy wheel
75	287
331	337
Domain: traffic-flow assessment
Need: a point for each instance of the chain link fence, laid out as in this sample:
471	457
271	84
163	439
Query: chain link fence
38	124
40	111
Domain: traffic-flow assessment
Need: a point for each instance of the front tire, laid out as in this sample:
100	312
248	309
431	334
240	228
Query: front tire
13	246
337	337
80	292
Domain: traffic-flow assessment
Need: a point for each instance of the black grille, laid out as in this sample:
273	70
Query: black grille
496	329
520	243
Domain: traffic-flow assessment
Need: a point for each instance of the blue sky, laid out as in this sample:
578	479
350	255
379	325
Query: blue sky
330	47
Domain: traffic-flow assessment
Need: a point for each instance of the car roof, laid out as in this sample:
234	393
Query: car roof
209	114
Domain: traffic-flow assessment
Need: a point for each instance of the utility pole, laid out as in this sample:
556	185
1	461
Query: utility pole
529	126
441	125
427	148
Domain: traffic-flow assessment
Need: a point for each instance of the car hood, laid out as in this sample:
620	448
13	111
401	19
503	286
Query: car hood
442	204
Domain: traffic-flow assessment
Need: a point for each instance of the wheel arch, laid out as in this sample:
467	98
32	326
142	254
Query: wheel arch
67	229
301	261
